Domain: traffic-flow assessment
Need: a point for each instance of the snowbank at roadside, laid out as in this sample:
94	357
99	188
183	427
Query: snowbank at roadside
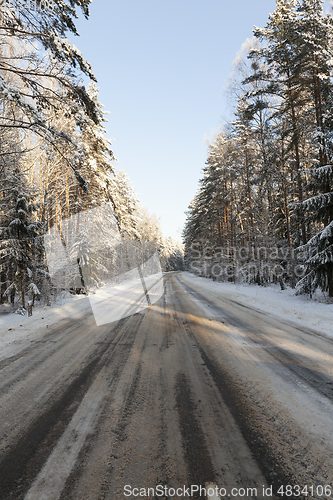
17	332
309	313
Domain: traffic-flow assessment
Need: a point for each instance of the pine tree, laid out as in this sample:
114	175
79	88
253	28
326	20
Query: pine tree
39	79
280	77
125	204
318	251
97	166
19	232
316	33
46	28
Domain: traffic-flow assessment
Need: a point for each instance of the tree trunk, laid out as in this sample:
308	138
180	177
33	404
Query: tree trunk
330	279
3	288
22	291
297	155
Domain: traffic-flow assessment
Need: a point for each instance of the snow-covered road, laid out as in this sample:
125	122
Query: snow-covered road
203	387
283	367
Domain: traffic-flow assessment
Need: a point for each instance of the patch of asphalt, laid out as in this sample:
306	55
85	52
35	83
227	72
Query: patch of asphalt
197	456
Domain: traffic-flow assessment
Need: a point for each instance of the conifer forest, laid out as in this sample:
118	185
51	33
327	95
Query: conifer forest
55	159
263	212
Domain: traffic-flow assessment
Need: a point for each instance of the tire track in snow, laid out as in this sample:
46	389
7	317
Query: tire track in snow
51	481
19	465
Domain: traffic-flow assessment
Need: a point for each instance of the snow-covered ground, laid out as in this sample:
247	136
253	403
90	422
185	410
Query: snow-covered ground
284	305
17	332
109	303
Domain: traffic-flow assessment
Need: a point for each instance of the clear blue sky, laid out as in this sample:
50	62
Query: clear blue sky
162	68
